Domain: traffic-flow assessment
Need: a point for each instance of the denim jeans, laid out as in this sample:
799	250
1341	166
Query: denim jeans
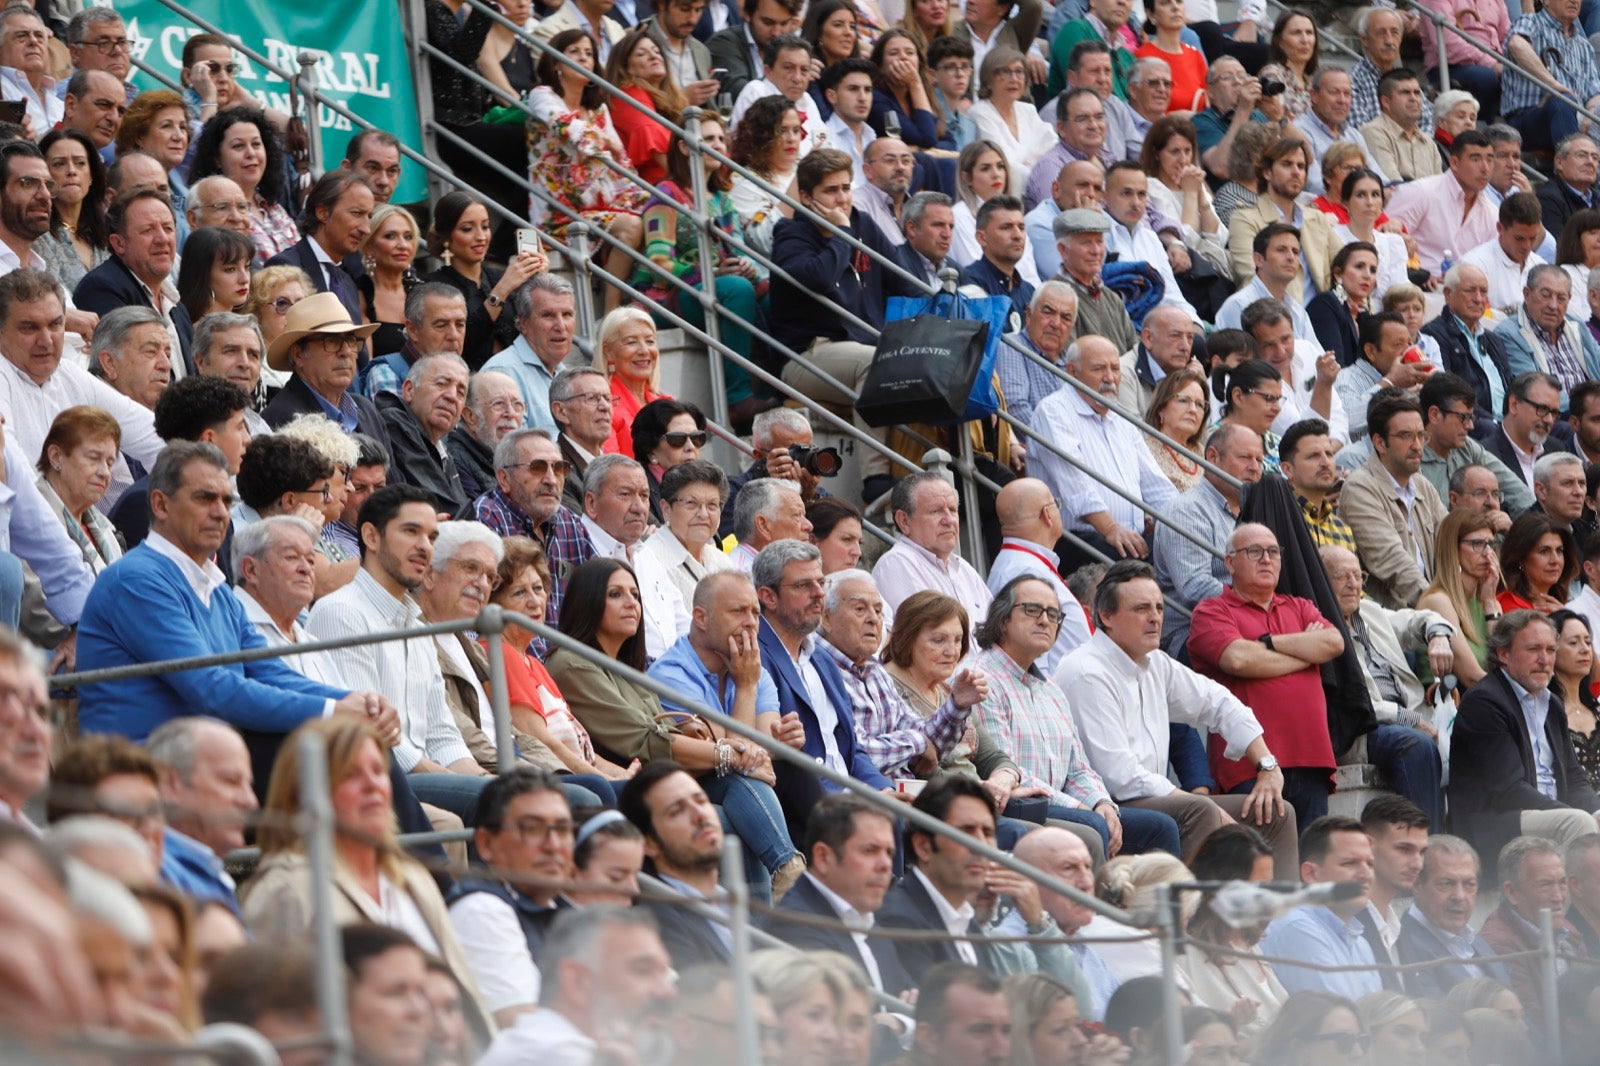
10	589
456	793
753	813
587	790
1545	126
1408	759
1305	789
1142	831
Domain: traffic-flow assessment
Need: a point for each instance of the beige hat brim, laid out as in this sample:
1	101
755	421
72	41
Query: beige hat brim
278	352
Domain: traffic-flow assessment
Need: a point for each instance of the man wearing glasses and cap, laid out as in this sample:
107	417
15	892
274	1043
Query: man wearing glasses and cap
320	345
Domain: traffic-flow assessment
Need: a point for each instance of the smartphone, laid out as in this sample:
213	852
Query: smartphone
528	241
719	72
13	111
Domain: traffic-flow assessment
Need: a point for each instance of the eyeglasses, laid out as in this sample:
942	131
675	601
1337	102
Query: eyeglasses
504	405
697	506
1039	610
282	304
474	570
232	207
325	490
539	829
1478	544
1345	577
954	68
592	399
1344	1043
1542	410
677	440
32	185
230	69
107	45
1011	72
1271	398
541	467
342	342
1257	552
1465	416
814	585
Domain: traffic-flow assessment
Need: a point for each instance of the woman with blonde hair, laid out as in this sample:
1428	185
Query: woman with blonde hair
1397	1027
625	351
806	994
982	173
273	290
855	1007
1129	882
1466	582
1046	1025
390	255
341	452
374	880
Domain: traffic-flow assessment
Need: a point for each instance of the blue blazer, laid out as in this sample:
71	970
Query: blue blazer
792	696
1418	943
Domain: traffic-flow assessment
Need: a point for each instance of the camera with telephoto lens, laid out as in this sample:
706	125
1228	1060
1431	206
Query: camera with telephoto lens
1272	87
822	462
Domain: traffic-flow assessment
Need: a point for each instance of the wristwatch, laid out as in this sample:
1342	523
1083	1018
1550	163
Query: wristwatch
494	301
1267	764
1265	640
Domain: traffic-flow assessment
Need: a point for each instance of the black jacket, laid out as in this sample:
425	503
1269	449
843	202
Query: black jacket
690	940
300	254
908	906
805	899
1557	203
1335	330
1492	769
828	274
474	462
416	458
731	52
112	285
1499	445
1418	943
1457	358
296	398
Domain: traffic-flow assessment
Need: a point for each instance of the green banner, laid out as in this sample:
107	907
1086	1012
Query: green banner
366	67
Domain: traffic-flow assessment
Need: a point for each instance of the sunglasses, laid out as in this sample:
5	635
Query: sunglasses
678	440
282	304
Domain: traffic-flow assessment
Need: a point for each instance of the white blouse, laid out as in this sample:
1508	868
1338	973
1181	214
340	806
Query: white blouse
1034	137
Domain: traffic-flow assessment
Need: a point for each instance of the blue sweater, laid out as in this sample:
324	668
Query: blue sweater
143	610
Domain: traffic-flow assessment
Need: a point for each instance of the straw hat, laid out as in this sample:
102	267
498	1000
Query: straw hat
318	313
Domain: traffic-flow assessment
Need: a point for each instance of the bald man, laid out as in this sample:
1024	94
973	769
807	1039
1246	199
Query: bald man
1030	523
1166	346
1081	183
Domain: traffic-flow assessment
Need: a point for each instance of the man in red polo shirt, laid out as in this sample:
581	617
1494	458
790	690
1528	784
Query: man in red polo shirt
1267	649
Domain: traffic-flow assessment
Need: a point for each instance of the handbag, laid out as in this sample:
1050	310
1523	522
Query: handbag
932	367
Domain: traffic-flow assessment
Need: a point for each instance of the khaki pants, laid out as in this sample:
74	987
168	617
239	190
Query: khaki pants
846	362
1199	816
1562	826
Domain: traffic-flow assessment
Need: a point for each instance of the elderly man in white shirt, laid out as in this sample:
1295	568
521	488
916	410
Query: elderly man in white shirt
1126	692
1030	523
274	563
1103	442
616	505
36	385
927	513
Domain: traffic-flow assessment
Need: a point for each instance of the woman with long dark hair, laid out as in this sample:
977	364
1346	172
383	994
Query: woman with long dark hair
638	67
602	608
76	241
243	144
214	274
1575	674
1539	559
460	236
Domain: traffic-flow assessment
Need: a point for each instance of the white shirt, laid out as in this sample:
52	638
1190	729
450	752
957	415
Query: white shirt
821	702
1140	244
1017	557
1587	603
957	920
1106	444
202	580
404	671
29	410
665	618
497	950
684	570
1123	709
816	133
1506	279
313	664
76	349
45	109
858	925
542	1036
401	912
1034	137
1232	309
852	144
1297	395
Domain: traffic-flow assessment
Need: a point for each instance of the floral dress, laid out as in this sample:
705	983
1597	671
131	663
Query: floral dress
567	154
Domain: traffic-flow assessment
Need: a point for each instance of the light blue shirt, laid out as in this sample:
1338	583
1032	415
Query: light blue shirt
30	530
522	364
1535	709
681	668
1322	136
1232	309
1318	935
1497	387
1186	572
1042	236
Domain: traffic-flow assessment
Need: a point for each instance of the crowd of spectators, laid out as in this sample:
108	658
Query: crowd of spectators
246	407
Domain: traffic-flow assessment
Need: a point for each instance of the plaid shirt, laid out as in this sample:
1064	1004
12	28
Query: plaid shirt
1327	528
1573	66
889	731
1029	718
1022	381
1364	98
566	543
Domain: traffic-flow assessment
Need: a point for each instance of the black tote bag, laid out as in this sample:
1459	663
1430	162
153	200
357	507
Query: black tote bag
923	370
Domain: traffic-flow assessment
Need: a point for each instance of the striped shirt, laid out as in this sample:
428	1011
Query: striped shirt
1106	444
888	730
1030	719
1566	54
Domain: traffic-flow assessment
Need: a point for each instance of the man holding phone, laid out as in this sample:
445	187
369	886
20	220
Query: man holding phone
672	27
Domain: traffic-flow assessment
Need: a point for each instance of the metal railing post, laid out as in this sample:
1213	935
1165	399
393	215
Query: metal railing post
1547	983
708	274
491	623
1171	1008
744	1007
1444	61
317	805
583	298
414	15
305	85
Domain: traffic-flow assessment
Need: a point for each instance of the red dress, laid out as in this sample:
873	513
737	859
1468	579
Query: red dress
624	407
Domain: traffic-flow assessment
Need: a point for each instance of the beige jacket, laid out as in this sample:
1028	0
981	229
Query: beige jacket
1317	243
1384	540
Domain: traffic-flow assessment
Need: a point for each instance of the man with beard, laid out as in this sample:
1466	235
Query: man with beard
526	502
1003	238
607	991
1533	403
1088	508
144	245
494	408
1283	172
887	167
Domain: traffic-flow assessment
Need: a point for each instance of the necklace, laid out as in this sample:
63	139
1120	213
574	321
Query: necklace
1188	467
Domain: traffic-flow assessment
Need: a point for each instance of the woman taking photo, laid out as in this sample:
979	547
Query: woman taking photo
1006	120
1336	314
767	142
1465	589
460	237
571	139
214	273
74	471
390	254
1166	24
538	710
627	354
666	433
836	531
602	609
674	247
692	494
1179	409
374	879
1292	59
638	68
1171	159
243	145
1539	560
1253	396
76	241
1361	192
1575	672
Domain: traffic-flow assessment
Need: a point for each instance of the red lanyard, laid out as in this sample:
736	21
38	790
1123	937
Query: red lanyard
1052	567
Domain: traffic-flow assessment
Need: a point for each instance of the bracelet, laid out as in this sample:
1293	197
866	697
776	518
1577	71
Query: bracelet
724	759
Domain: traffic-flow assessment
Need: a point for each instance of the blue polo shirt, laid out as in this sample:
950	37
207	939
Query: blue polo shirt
681	668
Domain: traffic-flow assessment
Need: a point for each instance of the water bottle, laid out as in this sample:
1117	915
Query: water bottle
891	124
1446	261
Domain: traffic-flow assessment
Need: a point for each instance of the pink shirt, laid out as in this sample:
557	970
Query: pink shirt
1434	211
1486	21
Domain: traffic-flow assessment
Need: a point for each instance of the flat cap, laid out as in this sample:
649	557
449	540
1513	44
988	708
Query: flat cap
1081	220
